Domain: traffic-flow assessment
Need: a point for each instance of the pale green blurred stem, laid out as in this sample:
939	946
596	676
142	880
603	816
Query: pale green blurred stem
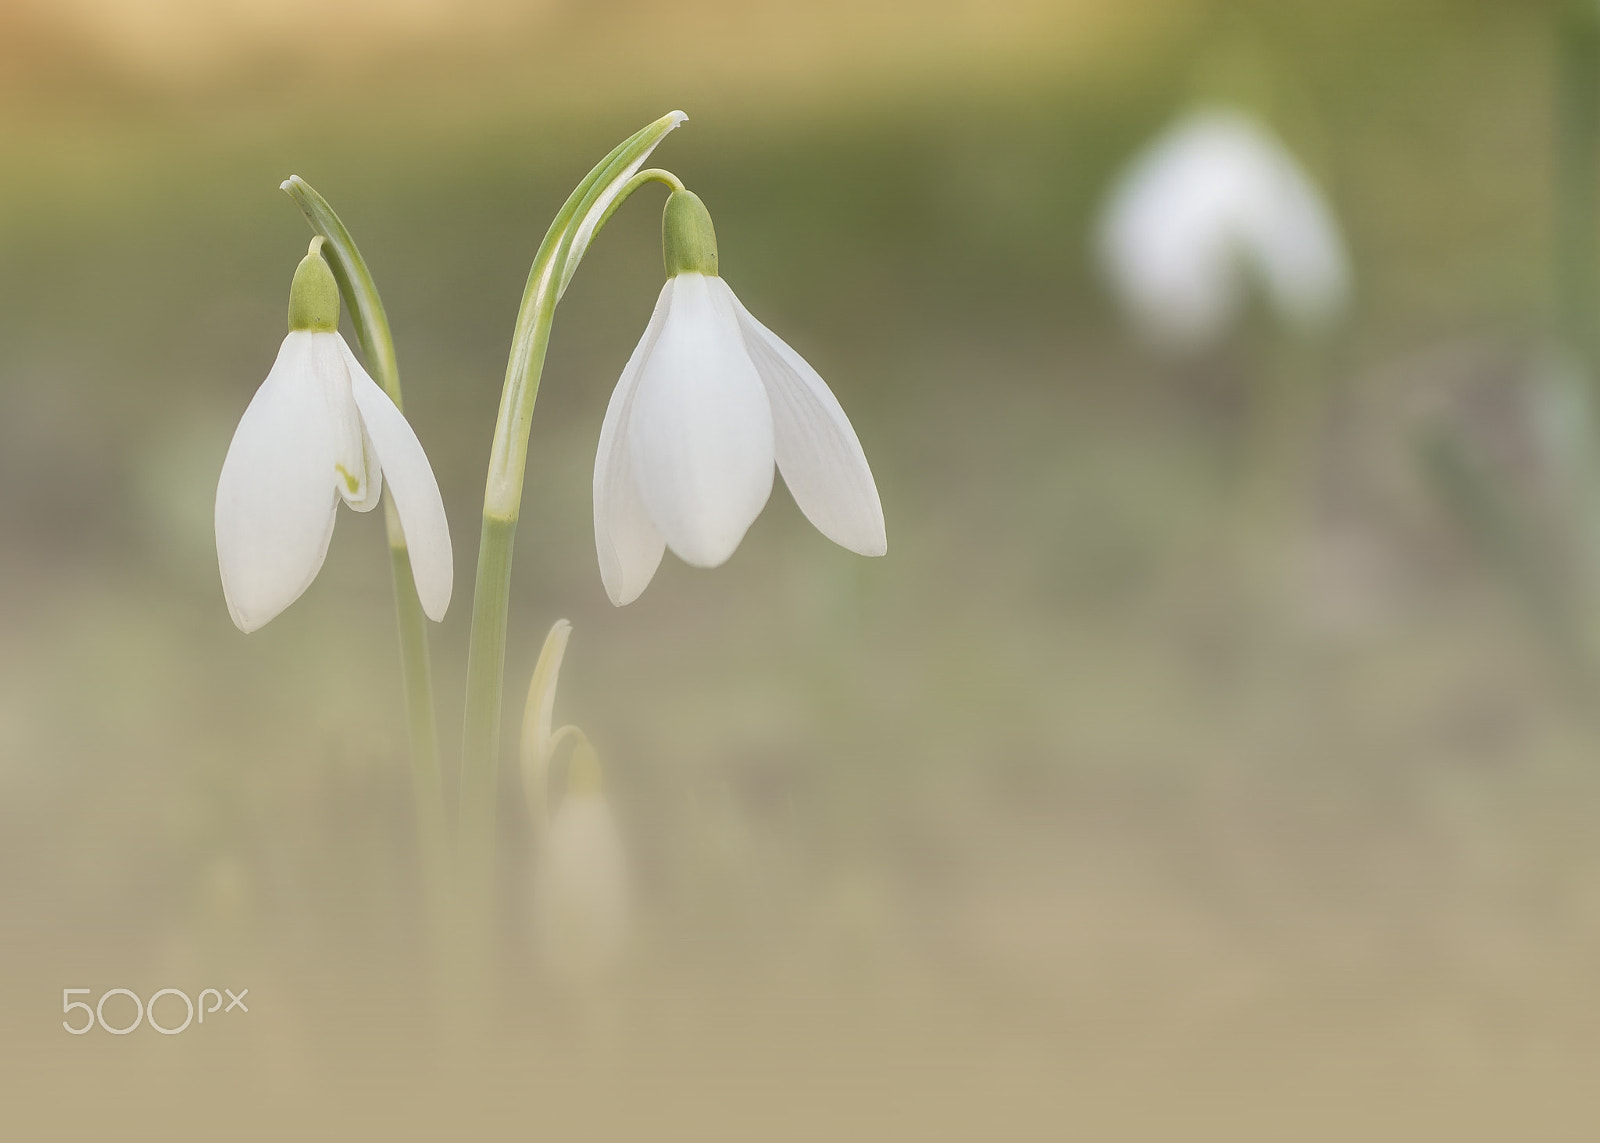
1288	410
377	347
1271	456
501	505
1577	258
1577	261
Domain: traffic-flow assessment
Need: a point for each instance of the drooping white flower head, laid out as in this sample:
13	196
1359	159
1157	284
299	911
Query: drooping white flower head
319	430
1213	203
709	401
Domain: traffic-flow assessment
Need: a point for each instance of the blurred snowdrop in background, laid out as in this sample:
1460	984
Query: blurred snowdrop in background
1214	210
581	894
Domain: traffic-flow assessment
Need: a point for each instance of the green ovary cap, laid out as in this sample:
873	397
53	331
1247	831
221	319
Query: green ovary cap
688	240
314	295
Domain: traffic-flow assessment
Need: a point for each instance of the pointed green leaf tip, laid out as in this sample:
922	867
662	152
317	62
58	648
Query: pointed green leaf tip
314	295
688	240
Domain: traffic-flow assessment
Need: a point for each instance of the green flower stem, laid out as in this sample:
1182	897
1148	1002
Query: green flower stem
1287	406
586	210
427	781
652	175
377	347
553	267
491	601
1578	180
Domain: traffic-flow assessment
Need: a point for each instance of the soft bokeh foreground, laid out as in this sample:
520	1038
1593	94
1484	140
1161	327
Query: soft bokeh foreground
1158	784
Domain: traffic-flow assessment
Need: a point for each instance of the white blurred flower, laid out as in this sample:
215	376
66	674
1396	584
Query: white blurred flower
582	894
582	898
708	402
317	431
1215	202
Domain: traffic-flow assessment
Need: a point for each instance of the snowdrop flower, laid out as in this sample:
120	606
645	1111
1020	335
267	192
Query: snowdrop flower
319	430
1214	201
582	893
582	896
708	402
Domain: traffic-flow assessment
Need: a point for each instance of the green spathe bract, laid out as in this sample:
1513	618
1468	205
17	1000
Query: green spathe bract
314	295
688	240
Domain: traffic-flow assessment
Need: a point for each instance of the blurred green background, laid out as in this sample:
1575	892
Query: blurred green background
1110	800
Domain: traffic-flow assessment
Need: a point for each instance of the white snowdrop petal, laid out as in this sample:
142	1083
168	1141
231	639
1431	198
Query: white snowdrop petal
374	474
351	464
700	428
816	448
1298	248
413	487
276	495
1173	269
628	545
1167	239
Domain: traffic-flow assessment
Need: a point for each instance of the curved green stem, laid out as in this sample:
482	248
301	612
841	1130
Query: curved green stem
360	295
653	175
584	213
